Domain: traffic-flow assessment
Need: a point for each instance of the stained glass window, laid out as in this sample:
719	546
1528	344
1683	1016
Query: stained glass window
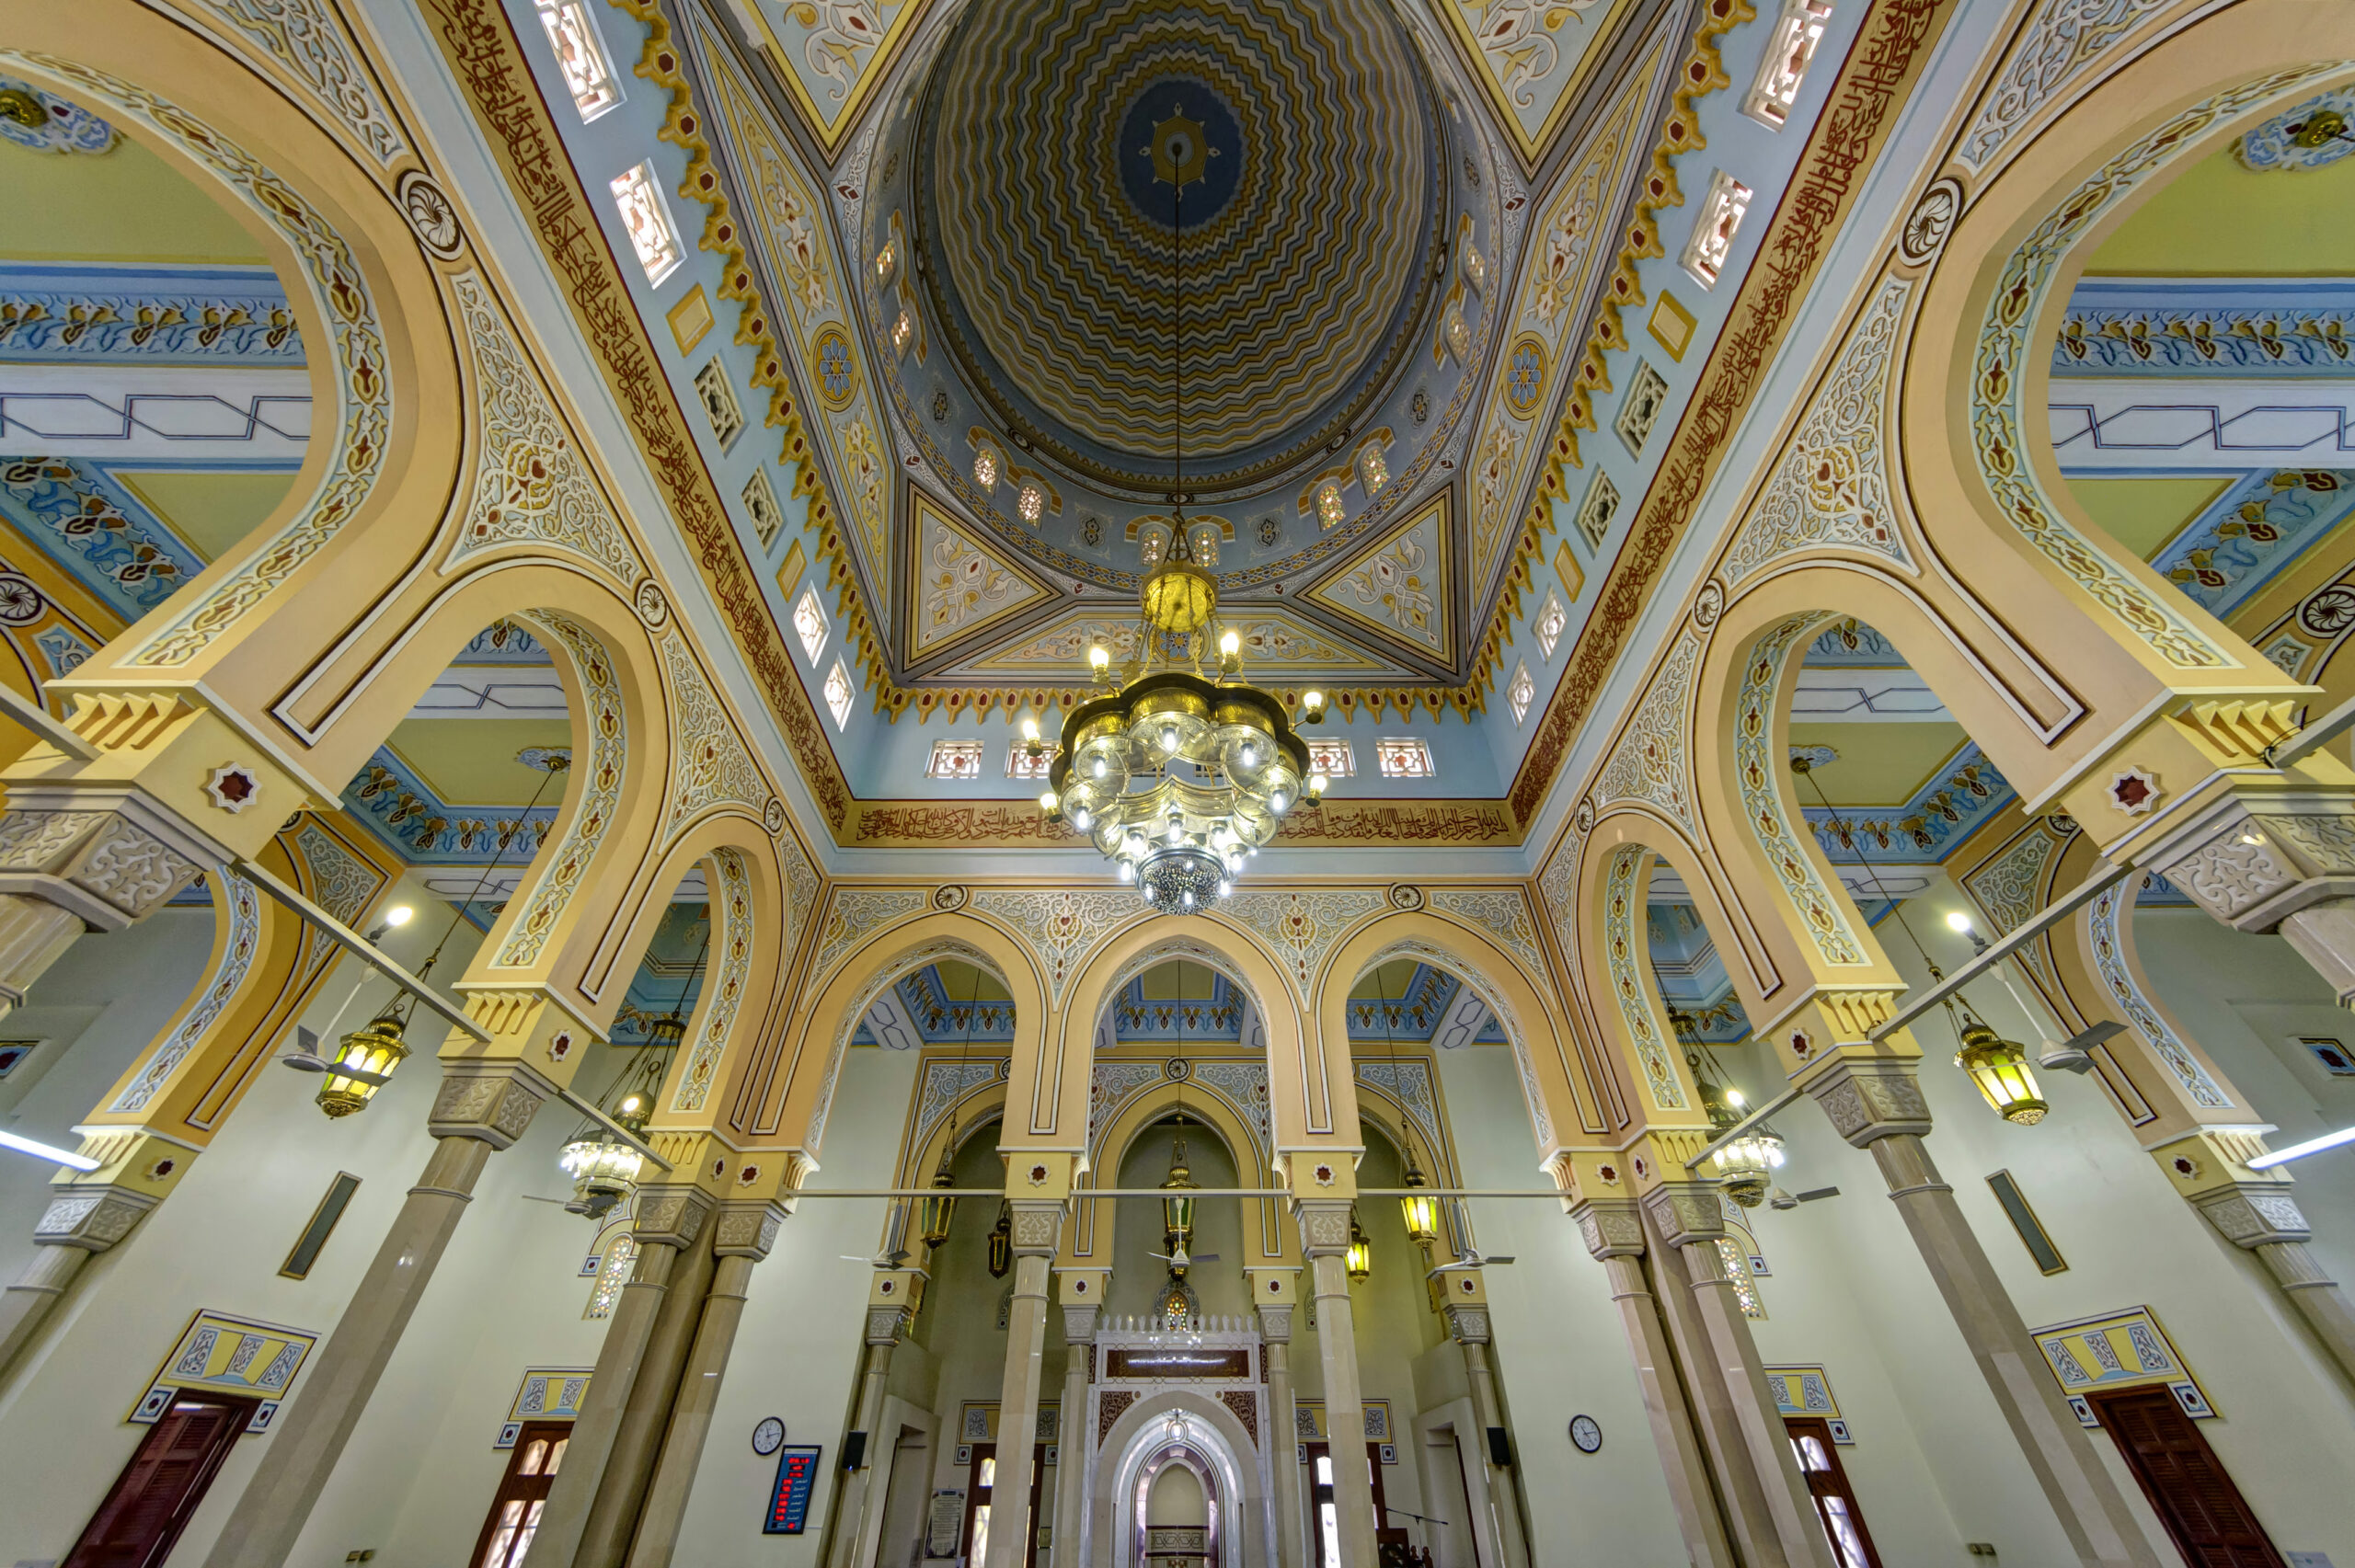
1372	472
1032	502
580	56
621	1253
955	760
1403	757
838	694
810	621
1551	621
1520	693
1328	505
647	219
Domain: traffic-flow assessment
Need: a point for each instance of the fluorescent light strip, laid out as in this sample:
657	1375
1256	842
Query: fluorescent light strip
2282	1156
27	1146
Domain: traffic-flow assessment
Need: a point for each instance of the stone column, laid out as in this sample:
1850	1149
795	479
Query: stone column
669	1219
77	1223
481	1107
77	857
1690	1217
1284	1439
2260	1218
1038	1224
884	1326
1469	1324
742	1237
1076	1440
646	1414
1878	1105
1750	1522
1614	1232
1325	1242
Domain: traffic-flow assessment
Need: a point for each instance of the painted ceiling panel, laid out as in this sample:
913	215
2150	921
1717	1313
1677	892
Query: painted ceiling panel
2221	219
1400	589
960	585
1531	56
125	204
212	508
2143	514
830	54
474	761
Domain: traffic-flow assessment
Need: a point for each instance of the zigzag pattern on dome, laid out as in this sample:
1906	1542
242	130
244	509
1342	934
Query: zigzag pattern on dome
1304	240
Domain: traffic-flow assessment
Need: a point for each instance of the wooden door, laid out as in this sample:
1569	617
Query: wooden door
161	1486
522	1493
2205	1514
1835	1501
1323	1518
980	1481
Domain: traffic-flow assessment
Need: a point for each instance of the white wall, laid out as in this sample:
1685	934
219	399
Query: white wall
798	1349
1560	1349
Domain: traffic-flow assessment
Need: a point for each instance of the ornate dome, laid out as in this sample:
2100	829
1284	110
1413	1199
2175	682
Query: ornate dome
1305	241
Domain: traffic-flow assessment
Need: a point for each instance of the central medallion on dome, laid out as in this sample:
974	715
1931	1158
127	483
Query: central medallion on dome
1292	142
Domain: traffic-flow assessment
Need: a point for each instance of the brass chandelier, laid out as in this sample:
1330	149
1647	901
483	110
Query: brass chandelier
1180	768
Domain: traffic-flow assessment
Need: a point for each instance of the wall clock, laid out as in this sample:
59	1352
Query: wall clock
768	1436
1585	1434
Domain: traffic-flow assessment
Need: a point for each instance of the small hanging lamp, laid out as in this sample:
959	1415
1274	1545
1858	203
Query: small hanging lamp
603	1166
1177	1208
364	1060
1002	1241
2000	1069
1746	1164
1361	1254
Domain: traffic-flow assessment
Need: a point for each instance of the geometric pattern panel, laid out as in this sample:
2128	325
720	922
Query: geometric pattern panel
1400	589
1531	56
958	585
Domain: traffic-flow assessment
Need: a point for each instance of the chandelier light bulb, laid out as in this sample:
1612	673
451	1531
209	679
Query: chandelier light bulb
1100	658
1169	738
1277	800
1079	820
1030	727
1127	872
1225	887
1316	783
1958	921
1047	802
399	916
1099	767
1189	896
1250	754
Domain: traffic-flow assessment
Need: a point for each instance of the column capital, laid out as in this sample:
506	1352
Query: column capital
1871	1098
108	855
1275	1325
1038	1226
747	1230
92	1219
1612	1227
1468	1324
2253	1215
1324	1226
668	1215
2254	856
885	1325
492	1101
1079	1324
1686	1212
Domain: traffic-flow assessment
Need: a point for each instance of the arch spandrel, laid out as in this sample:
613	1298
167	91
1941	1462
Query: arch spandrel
1087	1240
1557	1096
794	1098
385	362
1983	477
1300	1108
744	968
1615	956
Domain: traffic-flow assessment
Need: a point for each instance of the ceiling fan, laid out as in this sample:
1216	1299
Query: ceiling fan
1471	1257
892	1259
1181	1258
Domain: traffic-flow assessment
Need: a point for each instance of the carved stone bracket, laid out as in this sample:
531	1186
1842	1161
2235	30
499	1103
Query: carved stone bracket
2254	1214
668	1216
1612	1227
2253	862
1869	1100
1324	1227
108	857
1275	1325
885	1325
1079	1324
493	1102
1038	1227
1685	1212
92	1219
747	1230
1468	1324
